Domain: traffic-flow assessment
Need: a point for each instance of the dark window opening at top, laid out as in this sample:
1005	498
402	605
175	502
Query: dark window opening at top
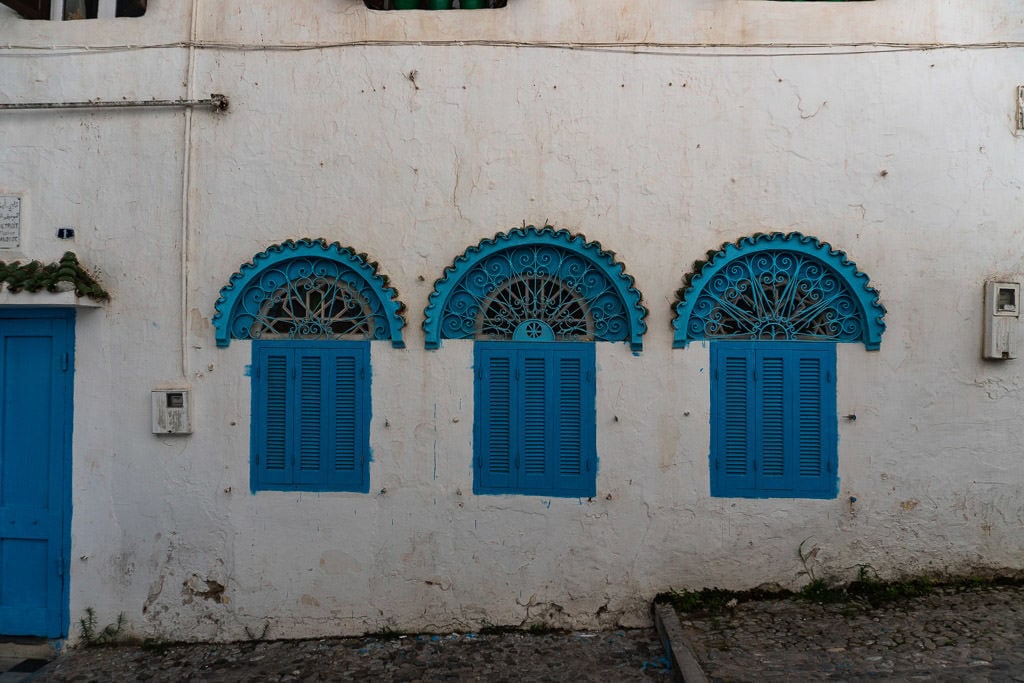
434	4
75	9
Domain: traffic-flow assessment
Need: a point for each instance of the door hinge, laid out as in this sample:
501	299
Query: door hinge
64	361
256	458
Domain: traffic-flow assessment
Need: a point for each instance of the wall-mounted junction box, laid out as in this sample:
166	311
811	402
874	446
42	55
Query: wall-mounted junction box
172	411
1018	117
1002	317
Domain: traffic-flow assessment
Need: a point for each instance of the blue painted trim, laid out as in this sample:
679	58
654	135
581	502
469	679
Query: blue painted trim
872	311
359	481
68	465
231	294
592	252
791	482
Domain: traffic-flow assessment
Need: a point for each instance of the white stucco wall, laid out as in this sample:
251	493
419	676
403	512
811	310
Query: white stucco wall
902	156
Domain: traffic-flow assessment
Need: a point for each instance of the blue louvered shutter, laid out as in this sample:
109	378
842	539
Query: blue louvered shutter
347	442
574	424
733	403
535	410
308	442
493	435
534	418
310	416
773	431
271	426
814	422
773	448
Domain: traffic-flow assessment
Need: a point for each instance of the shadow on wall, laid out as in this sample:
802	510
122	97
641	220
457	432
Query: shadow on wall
434	4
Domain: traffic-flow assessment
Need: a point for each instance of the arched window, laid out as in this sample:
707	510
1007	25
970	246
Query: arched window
773	307
534	300
310	309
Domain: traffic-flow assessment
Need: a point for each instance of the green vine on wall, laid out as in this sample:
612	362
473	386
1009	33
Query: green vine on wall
35	276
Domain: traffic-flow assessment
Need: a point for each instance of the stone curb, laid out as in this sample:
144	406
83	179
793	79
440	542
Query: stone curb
685	666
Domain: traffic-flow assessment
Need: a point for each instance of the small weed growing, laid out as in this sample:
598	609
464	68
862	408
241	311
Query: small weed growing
108	635
818	590
713	600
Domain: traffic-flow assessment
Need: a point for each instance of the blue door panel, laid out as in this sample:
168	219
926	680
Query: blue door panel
36	354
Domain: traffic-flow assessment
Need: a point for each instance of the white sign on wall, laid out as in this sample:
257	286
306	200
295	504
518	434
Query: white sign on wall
10	222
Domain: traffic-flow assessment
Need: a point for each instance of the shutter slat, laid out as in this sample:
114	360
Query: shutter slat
809	432
737	409
310	436
773	417
570	418
345	414
535	416
276	421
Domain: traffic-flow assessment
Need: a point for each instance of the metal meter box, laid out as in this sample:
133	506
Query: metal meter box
172	411
1002	318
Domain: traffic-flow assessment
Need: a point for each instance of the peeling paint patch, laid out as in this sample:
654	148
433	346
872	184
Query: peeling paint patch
195	587
153	594
909	505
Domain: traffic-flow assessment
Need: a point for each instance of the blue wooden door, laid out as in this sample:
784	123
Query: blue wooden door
36	354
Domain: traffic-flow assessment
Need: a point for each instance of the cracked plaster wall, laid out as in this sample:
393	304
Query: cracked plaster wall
905	160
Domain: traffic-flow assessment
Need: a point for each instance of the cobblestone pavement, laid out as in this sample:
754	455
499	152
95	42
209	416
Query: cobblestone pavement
949	635
632	655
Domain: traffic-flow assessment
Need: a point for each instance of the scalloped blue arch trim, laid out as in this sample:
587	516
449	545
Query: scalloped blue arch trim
871	310
531	235
231	293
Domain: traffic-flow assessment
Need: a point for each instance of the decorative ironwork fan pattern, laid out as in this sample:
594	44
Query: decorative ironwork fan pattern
535	293
776	295
308	298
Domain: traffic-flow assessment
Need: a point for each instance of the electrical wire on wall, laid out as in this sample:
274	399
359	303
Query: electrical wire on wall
186	182
636	48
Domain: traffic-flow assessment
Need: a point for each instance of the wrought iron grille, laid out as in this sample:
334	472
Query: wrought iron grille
535	293
308	298
776	295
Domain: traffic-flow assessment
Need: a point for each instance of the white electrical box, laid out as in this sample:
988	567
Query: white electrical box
1002	318
172	411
